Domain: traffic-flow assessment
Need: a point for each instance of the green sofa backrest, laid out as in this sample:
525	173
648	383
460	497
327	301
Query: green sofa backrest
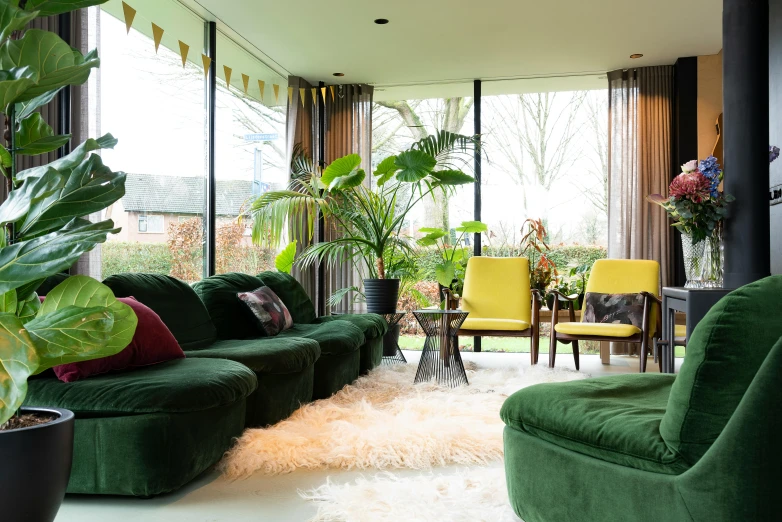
292	294
229	315
174	301
723	356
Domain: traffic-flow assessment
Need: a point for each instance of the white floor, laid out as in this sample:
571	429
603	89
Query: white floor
260	498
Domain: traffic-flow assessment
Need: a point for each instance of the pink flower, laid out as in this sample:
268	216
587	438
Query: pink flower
691	185
690	166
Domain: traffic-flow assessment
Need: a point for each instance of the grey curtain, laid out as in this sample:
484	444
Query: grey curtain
640	151
348	130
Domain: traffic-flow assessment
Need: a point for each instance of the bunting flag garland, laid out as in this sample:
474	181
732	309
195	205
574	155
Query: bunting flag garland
262	87
245	82
276	89
315	95
290	93
323	93
130	15
183	50
302	95
157	35
332	92
207	62
227	70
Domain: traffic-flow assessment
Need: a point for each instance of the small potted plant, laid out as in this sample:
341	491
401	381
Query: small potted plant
535	248
579	277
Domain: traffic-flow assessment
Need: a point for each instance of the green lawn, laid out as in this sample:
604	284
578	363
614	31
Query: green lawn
509	345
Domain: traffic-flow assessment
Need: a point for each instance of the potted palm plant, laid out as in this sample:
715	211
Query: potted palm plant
367	221
43	233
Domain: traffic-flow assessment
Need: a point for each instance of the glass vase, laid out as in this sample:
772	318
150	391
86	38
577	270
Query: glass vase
714	260
694	257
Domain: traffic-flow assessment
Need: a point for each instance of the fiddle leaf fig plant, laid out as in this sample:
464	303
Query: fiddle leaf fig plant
43	229
453	255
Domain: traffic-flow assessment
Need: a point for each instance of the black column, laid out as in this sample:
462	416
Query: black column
745	72
64	124
321	105
476	103
210	207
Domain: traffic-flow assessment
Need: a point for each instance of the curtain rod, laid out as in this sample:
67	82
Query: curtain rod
495	79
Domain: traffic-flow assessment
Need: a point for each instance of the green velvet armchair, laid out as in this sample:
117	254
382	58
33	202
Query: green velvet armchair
699	446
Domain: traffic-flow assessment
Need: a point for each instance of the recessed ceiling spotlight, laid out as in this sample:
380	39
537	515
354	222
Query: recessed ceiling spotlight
381	21
636	56
338	74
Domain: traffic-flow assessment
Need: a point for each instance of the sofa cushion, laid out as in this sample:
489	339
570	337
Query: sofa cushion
267	310
179	386
267	354
373	325
228	313
334	337
615	419
292	294
724	353
174	301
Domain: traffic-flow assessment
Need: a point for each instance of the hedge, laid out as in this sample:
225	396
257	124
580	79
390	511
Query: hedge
121	257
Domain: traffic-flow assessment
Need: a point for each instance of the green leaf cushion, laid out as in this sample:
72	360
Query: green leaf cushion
266	355
373	325
334	338
183	385
292	294
174	301
723	355
615	419
229	314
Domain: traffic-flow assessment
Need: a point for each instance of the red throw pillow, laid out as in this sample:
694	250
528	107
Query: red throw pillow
268	310
152	343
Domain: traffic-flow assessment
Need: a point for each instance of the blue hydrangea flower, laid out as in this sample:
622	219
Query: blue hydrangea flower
711	169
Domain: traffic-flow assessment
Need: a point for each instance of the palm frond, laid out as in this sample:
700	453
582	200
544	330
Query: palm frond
336	298
446	147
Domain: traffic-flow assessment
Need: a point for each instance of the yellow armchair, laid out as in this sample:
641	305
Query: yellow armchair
501	303
613	276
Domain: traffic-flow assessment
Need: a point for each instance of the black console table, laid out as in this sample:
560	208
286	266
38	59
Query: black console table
695	303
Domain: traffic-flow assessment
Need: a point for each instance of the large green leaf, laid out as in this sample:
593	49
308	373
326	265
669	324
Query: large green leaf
18	361
452	177
30	193
414	166
343	166
88	188
35	136
72	160
55	63
444	273
44	256
86	292
55	7
350	181
473	227
386	170
26	108
6	160
28	309
12	19
431	237
72	334
284	260
8	302
13	84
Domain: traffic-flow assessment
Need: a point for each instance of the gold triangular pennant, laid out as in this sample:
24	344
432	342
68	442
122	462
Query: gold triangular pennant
245	82
262	87
207	62
227	70
332	92
302	95
183	50
276	89
323	93
157	35
290	93
315	95
130	14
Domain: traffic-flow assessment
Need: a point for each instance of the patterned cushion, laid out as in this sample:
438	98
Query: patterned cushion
614	308
269	311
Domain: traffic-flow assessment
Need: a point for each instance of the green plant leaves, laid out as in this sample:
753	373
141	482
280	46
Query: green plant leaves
26	108
18	361
344	166
46	255
386	170
473	227
72	160
13	83
8	302
284	260
35	136
12	19
85	292
414	166
28	194
55	7
431	237
444	272
54	62
28	309
452	177
348	182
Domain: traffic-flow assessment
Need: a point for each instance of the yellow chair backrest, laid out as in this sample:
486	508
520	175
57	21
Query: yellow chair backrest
625	276
497	288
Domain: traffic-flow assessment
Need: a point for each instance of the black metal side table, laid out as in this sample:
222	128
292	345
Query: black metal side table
392	354
695	302
441	359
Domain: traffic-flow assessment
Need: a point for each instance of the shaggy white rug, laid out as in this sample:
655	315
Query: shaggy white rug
471	495
383	421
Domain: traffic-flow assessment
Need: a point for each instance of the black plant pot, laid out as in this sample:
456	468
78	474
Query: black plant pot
35	465
382	295
391	341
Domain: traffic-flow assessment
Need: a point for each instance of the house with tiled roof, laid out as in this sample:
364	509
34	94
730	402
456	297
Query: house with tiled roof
153	202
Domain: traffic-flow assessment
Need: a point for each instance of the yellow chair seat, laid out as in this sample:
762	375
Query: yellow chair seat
601	329
508	325
680	330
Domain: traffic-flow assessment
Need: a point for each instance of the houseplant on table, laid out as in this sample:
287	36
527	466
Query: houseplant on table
367	224
535	248
43	233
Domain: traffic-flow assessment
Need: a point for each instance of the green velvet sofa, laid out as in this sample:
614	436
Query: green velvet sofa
702	445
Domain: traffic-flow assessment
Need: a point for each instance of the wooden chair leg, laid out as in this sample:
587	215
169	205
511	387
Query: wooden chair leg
644	353
534	348
552	351
575	354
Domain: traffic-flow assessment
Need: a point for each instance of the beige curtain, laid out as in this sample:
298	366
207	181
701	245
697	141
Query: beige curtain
348	130
640	152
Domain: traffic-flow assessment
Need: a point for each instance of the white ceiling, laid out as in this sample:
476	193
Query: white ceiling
455	41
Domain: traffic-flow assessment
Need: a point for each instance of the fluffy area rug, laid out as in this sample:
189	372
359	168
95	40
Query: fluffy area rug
471	495
383	421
